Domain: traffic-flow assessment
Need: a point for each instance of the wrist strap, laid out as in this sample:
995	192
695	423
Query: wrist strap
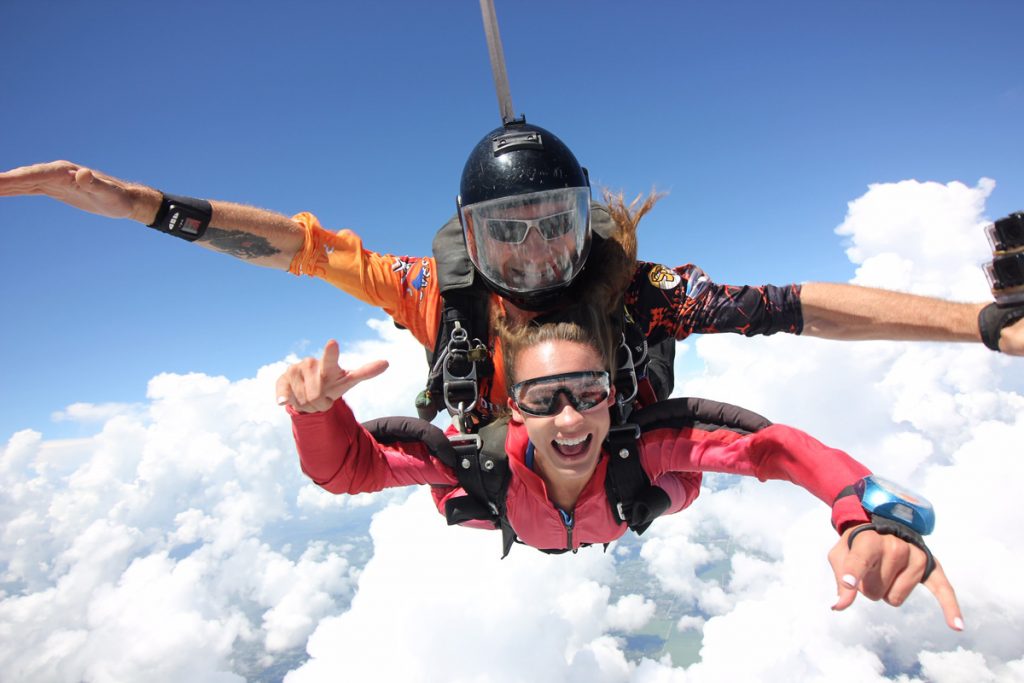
881	525
184	217
848	491
993	318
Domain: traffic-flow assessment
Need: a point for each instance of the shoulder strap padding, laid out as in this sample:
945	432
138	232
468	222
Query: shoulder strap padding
454	269
601	221
701	413
404	429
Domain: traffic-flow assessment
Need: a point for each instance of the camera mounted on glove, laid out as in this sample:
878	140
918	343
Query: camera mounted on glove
1005	274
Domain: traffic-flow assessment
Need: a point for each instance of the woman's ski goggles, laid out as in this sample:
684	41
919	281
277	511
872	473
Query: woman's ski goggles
514	231
582	390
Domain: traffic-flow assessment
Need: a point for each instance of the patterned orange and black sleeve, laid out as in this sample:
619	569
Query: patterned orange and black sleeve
677	302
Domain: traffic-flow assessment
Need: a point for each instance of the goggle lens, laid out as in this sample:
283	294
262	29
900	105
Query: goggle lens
542	396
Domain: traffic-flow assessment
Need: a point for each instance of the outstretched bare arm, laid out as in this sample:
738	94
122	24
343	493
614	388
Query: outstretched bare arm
255	235
851	312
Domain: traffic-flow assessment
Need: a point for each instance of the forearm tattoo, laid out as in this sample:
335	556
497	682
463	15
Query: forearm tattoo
240	244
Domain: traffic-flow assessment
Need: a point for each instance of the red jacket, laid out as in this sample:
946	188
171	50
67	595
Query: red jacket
340	456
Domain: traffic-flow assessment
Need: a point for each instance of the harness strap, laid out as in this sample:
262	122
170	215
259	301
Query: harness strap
626	385
634	500
649	366
625	474
651	503
482	469
460	361
658	377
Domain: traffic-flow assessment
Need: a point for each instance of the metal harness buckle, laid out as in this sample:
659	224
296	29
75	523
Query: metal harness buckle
626	384
461	386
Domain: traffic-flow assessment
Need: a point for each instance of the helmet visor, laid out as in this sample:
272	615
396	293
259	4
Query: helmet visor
529	242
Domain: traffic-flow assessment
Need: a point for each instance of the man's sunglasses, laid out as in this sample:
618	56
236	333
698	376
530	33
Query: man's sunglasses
582	390
515	231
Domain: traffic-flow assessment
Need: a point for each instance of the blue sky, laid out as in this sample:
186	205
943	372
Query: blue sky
762	121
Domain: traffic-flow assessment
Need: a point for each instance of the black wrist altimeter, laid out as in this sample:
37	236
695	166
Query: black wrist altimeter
184	217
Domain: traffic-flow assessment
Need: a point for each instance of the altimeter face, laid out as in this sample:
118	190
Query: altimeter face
890	500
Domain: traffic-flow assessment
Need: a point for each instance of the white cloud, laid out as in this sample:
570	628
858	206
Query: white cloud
921	237
438	603
690	622
181	542
173	544
630	613
93	412
961	665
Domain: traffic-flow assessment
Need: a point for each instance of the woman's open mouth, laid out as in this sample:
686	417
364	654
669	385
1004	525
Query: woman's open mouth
572	448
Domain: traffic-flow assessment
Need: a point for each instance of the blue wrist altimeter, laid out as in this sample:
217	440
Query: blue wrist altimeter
884	498
895	511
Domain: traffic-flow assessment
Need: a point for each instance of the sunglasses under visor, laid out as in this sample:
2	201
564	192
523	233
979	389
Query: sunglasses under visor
514	231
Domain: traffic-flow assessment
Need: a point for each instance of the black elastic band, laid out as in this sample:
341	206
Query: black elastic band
993	318
848	491
183	217
884	526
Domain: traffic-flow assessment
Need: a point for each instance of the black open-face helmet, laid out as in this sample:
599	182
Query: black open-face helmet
524	204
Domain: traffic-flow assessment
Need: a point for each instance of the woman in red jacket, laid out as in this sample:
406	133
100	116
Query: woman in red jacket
561	395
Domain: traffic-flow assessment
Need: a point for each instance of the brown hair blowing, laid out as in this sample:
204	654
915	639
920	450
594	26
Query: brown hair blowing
594	317
612	262
580	323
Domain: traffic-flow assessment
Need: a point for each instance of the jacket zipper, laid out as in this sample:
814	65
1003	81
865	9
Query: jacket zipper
568	522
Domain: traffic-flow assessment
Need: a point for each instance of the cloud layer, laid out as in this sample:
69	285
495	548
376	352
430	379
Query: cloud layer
181	542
